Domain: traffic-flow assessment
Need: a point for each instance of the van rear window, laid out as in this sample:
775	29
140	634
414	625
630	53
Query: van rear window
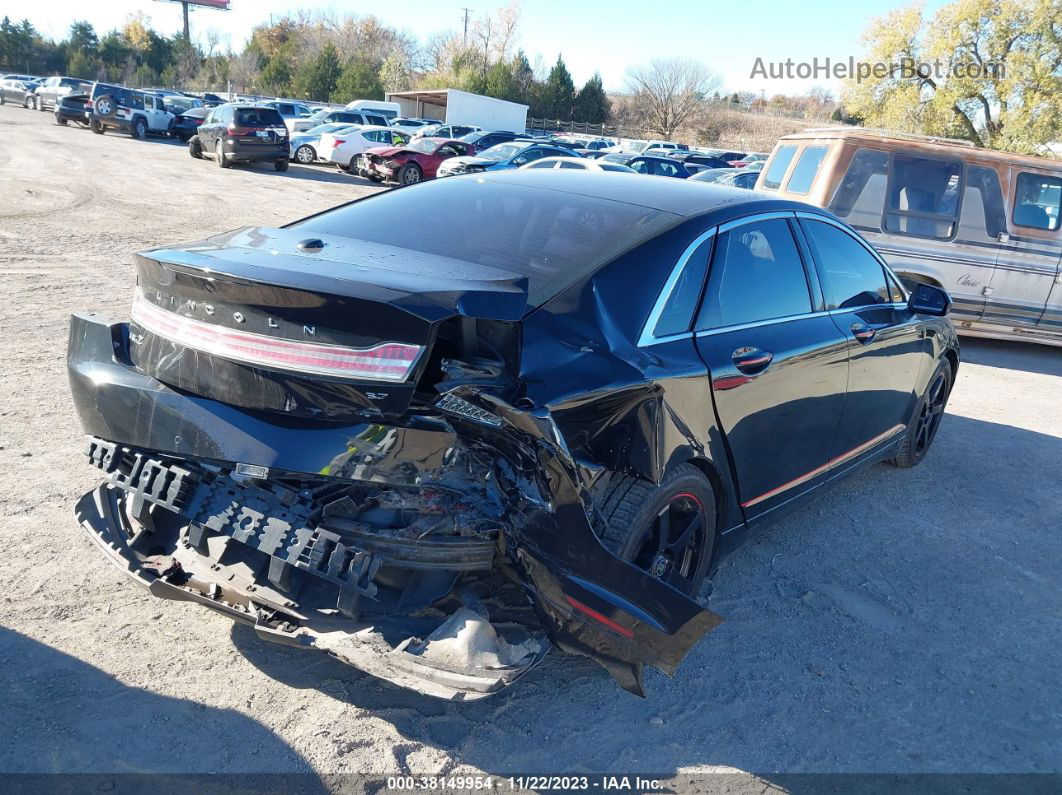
258	117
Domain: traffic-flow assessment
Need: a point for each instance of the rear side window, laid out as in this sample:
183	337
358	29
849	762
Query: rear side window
378	121
852	276
1038	201
779	165
677	314
757	274
807	168
258	117
923	197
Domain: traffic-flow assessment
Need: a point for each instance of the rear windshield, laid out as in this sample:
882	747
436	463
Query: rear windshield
258	117
552	238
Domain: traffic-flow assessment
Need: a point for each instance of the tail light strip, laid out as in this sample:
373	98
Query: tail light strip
388	361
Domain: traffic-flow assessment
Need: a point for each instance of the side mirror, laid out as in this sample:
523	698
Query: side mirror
520	161
928	299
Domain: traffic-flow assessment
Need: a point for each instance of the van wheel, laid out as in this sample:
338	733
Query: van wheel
667	530
195	148
925	421
219	156
281	165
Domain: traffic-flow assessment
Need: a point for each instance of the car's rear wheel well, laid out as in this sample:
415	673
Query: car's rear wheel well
711	473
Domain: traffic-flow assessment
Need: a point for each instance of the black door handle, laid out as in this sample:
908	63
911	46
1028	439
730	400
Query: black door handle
751	360
863	333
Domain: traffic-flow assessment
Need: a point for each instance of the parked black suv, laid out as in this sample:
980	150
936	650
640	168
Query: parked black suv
135	112
242	134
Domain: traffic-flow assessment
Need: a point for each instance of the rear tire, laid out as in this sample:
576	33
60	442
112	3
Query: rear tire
219	156
925	420
281	165
60	121
666	530
96	127
195	147
305	155
140	129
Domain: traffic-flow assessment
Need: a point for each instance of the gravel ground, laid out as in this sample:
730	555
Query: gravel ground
906	622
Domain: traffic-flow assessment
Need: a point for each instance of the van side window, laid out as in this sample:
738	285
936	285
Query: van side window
772	180
807	168
1038	201
983	202
923	197
862	191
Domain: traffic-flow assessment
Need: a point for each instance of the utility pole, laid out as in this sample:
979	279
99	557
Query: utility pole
187	35
464	37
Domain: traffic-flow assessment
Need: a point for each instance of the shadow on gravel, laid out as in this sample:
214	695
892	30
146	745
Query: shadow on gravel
904	622
74	718
1024	356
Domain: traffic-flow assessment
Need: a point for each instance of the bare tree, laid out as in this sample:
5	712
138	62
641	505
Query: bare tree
245	69
668	91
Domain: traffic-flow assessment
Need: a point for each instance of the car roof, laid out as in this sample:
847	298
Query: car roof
677	196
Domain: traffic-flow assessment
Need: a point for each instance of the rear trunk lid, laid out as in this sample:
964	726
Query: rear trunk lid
311	326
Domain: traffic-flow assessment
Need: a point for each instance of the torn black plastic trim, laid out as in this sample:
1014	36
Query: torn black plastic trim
552	540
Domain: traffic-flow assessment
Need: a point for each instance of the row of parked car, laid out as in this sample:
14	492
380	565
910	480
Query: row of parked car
363	138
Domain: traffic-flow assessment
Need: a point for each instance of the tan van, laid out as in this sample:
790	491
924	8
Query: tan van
982	224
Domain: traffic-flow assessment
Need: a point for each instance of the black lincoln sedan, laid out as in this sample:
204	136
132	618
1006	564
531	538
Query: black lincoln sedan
344	431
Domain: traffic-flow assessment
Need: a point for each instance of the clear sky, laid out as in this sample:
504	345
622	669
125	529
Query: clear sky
603	35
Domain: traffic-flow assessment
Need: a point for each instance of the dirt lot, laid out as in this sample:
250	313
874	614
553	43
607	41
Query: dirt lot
907	622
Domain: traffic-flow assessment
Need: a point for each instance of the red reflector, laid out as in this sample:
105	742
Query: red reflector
388	361
608	622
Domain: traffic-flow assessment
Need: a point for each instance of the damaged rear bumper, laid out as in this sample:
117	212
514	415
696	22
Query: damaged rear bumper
459	657
237	532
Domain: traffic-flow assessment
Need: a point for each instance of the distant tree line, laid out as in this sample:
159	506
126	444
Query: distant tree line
317	57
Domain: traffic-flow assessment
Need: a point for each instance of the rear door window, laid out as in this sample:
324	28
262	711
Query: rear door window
1038	201
757	274
852	276
378	121
807	168
772	180
923	197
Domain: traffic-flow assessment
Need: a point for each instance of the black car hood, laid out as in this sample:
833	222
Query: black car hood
427	285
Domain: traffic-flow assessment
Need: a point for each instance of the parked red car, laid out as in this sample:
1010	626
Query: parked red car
409	164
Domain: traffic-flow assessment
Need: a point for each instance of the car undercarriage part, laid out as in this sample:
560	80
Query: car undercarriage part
320	565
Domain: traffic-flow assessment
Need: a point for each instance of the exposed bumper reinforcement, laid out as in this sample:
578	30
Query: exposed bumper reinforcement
462	658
